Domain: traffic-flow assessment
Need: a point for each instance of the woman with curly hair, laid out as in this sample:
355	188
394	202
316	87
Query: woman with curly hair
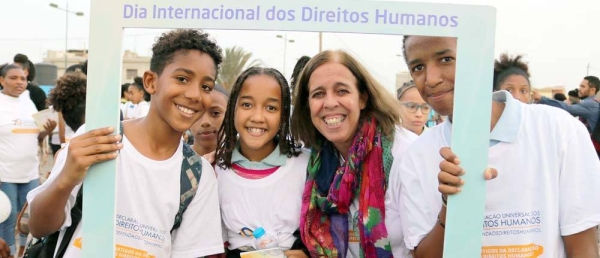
512	74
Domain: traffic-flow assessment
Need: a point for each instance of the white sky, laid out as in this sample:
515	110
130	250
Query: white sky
558	38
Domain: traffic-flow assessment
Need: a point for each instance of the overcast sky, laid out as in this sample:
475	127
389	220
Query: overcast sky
559	38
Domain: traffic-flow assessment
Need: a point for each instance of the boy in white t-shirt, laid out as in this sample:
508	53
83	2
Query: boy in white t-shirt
182	74
543	199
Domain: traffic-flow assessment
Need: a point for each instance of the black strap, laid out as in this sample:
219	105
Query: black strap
70	231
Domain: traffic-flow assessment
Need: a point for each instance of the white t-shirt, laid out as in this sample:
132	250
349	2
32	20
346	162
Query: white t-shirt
133	111
18	139
547	185
147	202
273	202
392	218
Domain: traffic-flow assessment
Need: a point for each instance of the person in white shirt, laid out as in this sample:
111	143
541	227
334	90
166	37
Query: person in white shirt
19	137
414	112
182	74
138	107
541	200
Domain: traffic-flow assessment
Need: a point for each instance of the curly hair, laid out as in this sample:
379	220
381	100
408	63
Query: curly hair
227	133
506	66
68	97
173	41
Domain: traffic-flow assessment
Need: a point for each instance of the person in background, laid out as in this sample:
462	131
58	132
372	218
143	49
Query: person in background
573	97
68	98
560	97
512	75
125	93
19	138
37	95
204	133
414	111
139	107
296	72
588	110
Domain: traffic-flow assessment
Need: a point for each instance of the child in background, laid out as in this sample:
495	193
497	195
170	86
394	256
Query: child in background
183	71
261	176
205	131
138	107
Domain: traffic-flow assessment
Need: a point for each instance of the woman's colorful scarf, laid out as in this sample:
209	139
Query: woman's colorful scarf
331	189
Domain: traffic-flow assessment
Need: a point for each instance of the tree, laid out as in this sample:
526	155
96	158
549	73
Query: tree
235	61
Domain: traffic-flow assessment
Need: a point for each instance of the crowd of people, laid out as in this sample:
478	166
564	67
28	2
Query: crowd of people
330	164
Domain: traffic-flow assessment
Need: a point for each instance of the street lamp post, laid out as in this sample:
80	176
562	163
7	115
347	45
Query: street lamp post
67	11
285	41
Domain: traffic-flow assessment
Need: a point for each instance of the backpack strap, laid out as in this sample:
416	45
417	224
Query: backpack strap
191	170
76	213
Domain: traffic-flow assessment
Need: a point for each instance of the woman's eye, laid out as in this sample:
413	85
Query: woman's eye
271	108
317	94
215	113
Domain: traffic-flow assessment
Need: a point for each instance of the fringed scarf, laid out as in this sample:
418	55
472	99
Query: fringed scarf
331	189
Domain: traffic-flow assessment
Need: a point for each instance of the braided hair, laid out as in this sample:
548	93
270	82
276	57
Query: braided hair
228	134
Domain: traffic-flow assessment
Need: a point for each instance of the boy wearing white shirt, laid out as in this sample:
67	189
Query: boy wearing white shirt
544	199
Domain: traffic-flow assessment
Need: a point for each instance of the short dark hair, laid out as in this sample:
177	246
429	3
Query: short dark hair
68	97
173	41
560	97
26	64
574	93
23	60
124	88
7	67
593	82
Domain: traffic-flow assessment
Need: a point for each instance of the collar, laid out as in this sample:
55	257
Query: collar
507	127
274	159
591	97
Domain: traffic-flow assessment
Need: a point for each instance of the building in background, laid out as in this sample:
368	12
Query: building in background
133	64
550	91
401	78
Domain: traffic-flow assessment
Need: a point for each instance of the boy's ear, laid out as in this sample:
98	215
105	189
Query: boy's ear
150	81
